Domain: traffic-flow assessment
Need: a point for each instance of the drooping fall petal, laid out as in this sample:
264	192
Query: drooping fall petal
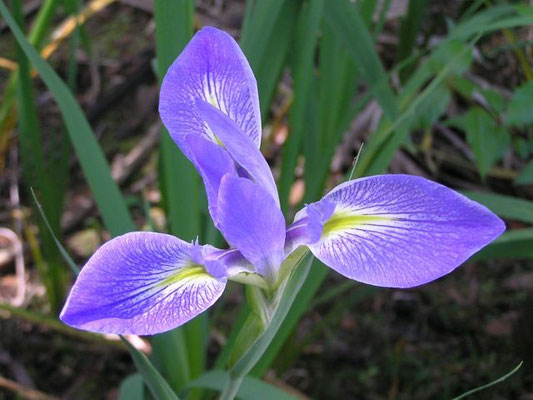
397	230
143	283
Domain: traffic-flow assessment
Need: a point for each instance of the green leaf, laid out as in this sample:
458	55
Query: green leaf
315	277
432	109
251	388
451	49
153	379
267	48
505	206
296	280
302	67
519	109
515	244
96	170
526	175
487	139
495	100
171	357
344	18
132	388
75	269
409	30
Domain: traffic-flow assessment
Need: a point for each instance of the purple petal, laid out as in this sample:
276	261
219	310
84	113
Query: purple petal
308	229
400	230
142	283
253	223
213	68
212	162
239	146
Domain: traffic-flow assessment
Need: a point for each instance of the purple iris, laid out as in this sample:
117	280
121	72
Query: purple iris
389	230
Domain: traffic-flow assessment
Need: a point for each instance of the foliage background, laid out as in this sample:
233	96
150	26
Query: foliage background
438	89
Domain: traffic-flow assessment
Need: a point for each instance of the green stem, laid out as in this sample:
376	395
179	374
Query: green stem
231	389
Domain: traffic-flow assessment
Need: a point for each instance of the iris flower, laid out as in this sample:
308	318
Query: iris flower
395	231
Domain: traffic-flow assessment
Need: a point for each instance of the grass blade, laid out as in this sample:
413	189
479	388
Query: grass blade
132	388
256	351
409	28
505	206
302	67
514	244
344	18
266	48
488	385
153	379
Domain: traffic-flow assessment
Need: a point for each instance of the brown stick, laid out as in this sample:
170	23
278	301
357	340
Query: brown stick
24	392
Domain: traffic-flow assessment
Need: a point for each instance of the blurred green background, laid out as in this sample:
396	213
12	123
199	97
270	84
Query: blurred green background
442	90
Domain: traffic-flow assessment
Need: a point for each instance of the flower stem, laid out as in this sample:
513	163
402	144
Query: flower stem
232	387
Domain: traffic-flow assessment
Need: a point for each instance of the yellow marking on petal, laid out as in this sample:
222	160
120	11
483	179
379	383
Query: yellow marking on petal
218	141
346	220
191	271
213	101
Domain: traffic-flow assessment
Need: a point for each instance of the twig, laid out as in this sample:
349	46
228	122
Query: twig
69	25
17	369
57	326
18	248
24	392
366	121
8	64
19	265
453	139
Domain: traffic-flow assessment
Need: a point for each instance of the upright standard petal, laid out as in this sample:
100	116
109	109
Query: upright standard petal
213	68
239	146
142	283
252	222
398	230
212	163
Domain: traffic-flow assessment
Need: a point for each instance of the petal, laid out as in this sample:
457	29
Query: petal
308	225
239	146
141	283
400	230
212	67
212	163
253	223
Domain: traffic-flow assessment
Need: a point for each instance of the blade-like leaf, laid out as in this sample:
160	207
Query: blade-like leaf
251	388
505	206
266	48
302	67
132	388
344	18
516	244
153	379
256	351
